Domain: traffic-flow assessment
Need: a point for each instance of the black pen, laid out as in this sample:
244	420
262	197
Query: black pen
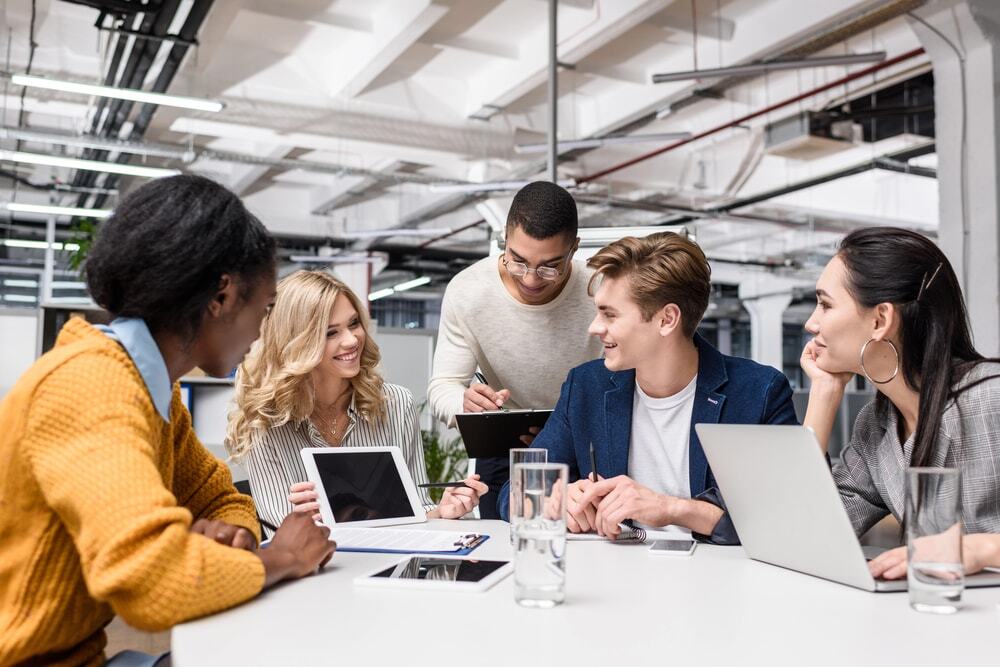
627	524
481	379
443	485
593	462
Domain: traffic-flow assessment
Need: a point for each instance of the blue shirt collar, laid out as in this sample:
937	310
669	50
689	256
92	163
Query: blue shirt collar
135	337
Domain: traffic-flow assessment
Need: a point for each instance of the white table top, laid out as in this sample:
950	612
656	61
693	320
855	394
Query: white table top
623	605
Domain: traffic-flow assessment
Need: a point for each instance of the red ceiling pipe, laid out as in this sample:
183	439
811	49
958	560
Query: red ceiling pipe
784	103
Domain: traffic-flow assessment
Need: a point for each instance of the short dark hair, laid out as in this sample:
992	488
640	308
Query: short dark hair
661	268
543	209
162	253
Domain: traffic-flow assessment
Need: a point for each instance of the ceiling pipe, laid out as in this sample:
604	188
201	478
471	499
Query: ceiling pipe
881	162
755	114
156	20
188	155
189	31
451	233
553	149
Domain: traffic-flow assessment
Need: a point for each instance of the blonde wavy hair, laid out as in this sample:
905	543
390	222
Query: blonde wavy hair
273	384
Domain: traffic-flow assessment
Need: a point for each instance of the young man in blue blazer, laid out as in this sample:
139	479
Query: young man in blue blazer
637	406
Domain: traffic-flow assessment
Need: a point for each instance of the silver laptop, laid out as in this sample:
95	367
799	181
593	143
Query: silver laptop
785	506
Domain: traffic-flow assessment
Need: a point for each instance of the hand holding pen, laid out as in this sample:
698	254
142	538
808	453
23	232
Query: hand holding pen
480	397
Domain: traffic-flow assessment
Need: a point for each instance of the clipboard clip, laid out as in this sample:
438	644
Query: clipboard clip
470	541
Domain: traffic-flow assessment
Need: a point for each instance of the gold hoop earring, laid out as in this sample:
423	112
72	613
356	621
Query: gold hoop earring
895	352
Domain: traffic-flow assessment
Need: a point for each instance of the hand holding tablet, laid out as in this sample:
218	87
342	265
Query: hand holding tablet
303	497
363	486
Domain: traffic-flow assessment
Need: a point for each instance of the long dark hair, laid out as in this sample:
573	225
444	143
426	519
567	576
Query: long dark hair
904	268
162	253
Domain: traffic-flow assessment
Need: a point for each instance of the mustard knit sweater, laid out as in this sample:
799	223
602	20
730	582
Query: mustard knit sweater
97	496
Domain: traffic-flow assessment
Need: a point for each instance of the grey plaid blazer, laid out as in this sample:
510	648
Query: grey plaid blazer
871	474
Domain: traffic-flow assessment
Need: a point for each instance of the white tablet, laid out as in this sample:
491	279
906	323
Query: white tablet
443	573
363	486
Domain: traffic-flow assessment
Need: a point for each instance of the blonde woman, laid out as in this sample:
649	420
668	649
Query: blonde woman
311	380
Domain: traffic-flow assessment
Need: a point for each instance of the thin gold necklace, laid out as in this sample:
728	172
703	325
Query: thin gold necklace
327	425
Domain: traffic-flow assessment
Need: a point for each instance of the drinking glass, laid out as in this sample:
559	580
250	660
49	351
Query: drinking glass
521	455
934	539
540	534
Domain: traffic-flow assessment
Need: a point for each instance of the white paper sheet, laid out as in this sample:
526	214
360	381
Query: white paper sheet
414	541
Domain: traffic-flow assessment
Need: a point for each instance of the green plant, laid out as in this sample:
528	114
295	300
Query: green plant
84	230
443	460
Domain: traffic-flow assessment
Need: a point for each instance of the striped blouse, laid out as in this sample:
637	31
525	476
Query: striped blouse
274	462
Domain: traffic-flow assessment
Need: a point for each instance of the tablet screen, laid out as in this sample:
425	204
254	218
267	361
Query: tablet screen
362	485
441	569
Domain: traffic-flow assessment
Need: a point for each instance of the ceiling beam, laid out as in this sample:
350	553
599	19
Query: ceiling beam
245	176
395	30
507	84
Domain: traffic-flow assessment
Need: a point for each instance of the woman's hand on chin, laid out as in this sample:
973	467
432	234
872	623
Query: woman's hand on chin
819	378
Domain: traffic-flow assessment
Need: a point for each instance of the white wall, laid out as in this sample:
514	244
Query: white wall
407	358
210	404
18	338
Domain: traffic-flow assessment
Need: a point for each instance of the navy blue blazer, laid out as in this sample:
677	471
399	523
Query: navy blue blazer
595	405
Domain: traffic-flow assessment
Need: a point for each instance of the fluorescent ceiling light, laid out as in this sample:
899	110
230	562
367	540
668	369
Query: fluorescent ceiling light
382	293
86	165
20	298
71	299
62	284
597	142
410	284
488	187
160	99
485	112
116	145
40	245
381	233
16	282
59	210
761	68
334	259
598	237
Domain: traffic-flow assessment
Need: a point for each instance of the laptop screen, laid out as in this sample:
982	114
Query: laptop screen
361	486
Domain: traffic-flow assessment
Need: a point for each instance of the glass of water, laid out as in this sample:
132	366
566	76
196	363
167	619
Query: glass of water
935	576
526	455
540	534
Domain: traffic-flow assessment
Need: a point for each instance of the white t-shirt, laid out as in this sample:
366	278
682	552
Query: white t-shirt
661	429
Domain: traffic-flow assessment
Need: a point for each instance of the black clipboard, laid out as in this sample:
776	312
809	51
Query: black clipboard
494	434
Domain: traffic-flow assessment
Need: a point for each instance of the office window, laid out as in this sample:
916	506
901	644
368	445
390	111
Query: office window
406	313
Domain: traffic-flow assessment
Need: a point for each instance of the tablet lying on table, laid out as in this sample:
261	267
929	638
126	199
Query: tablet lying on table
363	486
494	434
439	573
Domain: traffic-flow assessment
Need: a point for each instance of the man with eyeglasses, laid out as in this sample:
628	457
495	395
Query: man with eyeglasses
521	319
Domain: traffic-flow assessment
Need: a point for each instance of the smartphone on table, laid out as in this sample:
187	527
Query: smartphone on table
678	547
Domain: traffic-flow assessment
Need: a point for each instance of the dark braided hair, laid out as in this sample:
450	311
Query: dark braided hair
162	253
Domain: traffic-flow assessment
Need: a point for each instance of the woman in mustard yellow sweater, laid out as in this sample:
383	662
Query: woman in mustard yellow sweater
108	502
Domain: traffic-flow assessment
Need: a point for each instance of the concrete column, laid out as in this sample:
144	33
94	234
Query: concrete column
766	312
725	339
357	277
963	41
